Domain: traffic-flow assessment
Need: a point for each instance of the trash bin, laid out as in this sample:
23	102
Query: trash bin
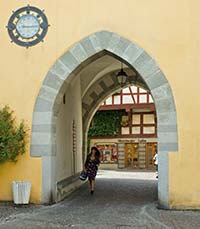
21	191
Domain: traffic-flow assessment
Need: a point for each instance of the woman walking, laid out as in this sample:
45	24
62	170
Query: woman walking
91	166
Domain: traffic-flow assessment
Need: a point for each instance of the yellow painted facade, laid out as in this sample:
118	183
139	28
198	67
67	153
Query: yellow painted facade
167	30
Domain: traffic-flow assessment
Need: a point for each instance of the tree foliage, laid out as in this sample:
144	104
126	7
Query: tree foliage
12	136
106	123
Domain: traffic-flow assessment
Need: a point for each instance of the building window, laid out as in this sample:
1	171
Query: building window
117	99
143	99
128	96
109	153
127	99
125	130
136	130
109	101
150	99
148	119
136	119
149	130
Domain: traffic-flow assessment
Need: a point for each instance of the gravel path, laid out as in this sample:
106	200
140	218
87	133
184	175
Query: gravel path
9	211
121	200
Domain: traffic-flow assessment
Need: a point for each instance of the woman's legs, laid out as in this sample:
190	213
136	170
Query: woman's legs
92	185
90	181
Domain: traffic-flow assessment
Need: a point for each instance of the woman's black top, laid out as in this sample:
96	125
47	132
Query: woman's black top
96	161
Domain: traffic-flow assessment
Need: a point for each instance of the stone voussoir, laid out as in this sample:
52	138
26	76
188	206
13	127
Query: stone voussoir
104	38
60	69
70	61
168	137
39	137
156	80
43	105
42	128
142	60
120	47
167	128
166	118
131	53
165	105
95	42
169	146
115	38
79	52
40	118
48	93
53	81
163	91
88	47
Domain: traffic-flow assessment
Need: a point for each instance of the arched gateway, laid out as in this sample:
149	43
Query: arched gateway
43	137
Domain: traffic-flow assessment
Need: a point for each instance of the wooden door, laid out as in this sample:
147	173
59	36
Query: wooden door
151	150
130	154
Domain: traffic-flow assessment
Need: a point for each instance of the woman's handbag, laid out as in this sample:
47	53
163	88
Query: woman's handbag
83	175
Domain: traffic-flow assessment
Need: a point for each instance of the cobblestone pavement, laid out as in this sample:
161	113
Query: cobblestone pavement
121	200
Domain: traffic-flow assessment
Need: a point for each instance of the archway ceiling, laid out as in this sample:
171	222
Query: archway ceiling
98	80
101	67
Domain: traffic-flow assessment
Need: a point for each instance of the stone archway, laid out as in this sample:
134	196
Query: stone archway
43	142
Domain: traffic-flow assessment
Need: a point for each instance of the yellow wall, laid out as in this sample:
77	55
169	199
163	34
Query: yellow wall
26	169
167	30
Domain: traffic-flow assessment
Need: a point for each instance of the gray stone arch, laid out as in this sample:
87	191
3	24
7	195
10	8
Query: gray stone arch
43	143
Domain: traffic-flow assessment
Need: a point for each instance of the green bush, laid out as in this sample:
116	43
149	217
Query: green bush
12	136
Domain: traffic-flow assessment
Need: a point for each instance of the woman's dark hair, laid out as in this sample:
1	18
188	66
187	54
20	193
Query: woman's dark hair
97	152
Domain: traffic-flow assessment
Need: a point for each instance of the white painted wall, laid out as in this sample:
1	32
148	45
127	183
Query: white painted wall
68	112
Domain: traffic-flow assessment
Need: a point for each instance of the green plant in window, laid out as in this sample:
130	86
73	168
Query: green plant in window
12	136
124	121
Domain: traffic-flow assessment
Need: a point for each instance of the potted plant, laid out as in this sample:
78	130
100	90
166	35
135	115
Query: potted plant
124	121
12	144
